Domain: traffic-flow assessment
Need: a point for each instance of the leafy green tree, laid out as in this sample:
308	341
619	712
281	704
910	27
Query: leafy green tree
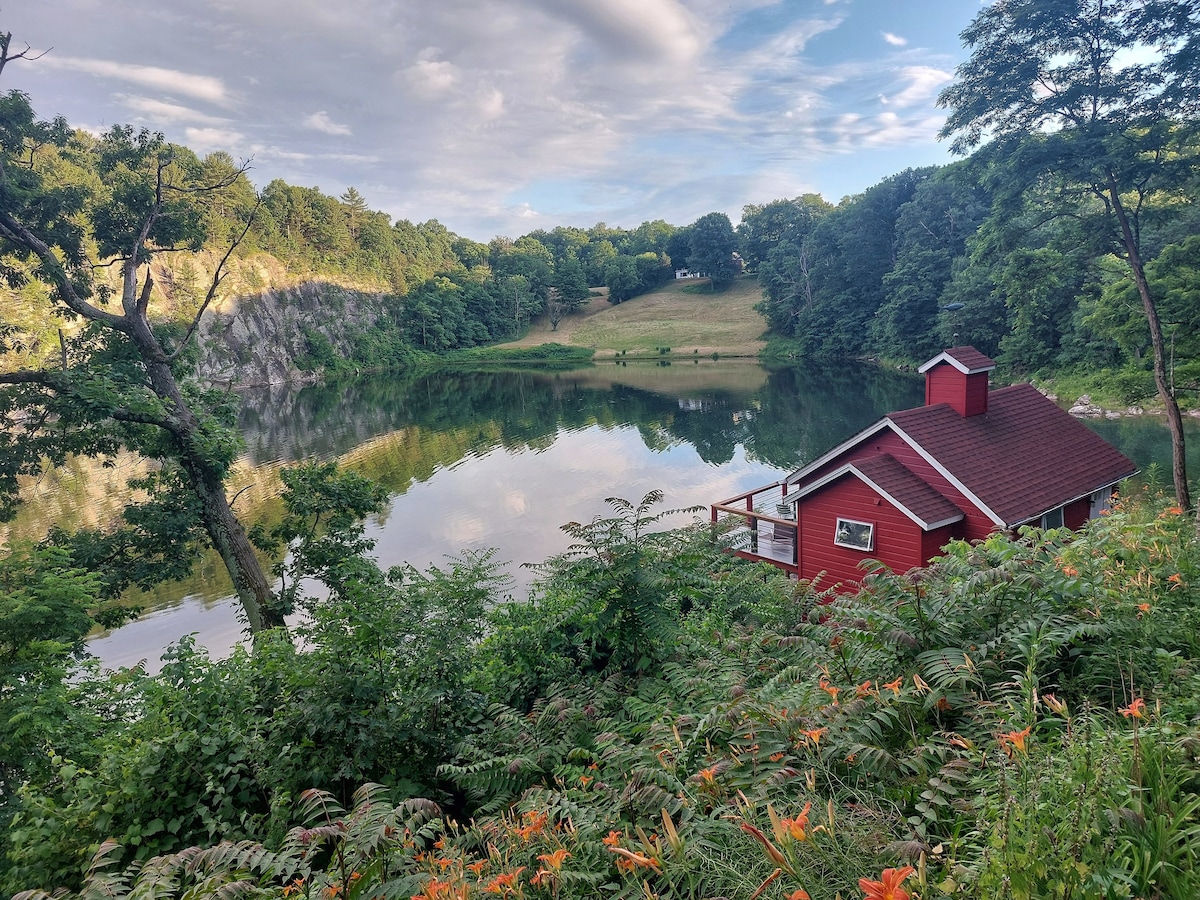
622	279
932	231
120	380
763	228
712	247
1101	94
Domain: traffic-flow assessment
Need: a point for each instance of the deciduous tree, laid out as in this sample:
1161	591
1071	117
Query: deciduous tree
121	378
1103	95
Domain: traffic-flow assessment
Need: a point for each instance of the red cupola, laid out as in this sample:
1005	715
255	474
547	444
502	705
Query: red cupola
958	377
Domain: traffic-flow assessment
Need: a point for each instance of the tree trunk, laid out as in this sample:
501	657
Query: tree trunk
206	477
1174	419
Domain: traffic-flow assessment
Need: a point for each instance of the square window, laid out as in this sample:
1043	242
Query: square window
855	535
1053	519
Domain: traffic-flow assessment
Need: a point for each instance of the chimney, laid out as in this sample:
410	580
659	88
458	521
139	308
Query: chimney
959	378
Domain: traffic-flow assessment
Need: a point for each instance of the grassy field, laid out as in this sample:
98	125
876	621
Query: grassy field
682	315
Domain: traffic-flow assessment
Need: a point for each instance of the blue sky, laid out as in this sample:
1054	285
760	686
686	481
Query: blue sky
503	117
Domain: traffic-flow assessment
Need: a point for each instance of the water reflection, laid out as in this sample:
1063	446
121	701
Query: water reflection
501	459
483	459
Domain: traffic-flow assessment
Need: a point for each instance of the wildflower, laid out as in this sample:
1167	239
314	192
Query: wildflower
612	839
633	860
707	777
295	887
888	886
1135	710
1014	741
554	860
585	780
1070	570
961	742
920	684
797	828
503	883
477	866
332	891
1056	706
776	757
1173	511
814	735
894	686
1142	609
830	690
1175	578
943	705
772	851
799	894
863	690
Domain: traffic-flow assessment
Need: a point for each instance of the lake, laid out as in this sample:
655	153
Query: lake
501	459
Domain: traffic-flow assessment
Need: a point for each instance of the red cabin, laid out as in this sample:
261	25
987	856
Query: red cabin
969	462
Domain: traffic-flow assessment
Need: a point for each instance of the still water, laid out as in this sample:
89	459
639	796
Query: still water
501	459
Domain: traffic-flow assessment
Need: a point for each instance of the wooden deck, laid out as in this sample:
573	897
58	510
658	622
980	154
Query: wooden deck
757	534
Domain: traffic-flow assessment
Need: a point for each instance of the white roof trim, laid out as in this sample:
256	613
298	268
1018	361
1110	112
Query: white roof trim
945	357
1094	490
945	473
851	469
837	451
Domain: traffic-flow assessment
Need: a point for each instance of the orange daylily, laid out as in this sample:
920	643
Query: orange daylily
863	690
477	867
832	691
894	686
1070	570
503	883
797	828
814	735
634	859
612	839
1175	578
1135	710
799	894
888	886
554	860
1014	741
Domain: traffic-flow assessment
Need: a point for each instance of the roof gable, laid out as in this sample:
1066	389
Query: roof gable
889	478
1021	458
967	360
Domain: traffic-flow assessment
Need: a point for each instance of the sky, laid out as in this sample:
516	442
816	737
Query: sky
499	117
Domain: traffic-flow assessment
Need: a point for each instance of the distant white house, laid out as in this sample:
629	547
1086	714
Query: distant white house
684	273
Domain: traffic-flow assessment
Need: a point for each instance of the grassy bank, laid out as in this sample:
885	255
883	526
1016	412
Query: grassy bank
686	318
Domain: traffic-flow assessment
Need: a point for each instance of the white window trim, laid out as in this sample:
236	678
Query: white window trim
870	526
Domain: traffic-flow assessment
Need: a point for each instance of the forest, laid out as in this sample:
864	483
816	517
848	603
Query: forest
657	718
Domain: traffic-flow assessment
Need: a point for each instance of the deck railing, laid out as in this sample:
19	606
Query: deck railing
762	535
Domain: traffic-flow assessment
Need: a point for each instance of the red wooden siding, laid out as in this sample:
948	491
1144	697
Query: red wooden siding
1075	515
965	394
932	542
898	540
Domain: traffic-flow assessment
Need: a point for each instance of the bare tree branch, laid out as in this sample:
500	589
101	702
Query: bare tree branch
218	277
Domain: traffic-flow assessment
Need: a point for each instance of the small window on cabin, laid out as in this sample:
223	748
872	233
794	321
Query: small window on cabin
854	535
1053	519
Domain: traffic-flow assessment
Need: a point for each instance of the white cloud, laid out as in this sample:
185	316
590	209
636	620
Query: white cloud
923	84
894	39
170	81
320	121
203	140
160	111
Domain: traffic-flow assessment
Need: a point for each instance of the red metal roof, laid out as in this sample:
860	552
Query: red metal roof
1023	457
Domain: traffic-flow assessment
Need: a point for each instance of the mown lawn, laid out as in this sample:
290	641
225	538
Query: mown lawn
683	316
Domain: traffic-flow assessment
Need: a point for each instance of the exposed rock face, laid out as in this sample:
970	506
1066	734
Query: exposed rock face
271	337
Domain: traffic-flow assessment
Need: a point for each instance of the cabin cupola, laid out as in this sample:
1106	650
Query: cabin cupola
958	377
